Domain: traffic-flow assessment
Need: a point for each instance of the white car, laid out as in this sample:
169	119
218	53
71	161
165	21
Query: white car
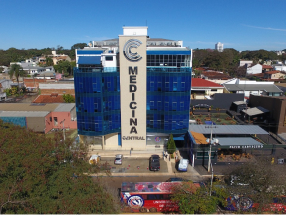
118	159
94	159
183	165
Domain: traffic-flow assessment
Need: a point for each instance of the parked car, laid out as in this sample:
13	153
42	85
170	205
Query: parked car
154	163
118	159
94	159
183	165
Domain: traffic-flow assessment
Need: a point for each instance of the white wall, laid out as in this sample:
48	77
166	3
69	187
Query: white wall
256	69
243	62
135	31
280	68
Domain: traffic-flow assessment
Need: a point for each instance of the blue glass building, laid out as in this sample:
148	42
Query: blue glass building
97	91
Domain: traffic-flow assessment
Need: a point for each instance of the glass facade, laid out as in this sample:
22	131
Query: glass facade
97	92
168	99
97	100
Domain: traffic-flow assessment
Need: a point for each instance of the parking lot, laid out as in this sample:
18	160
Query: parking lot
132	165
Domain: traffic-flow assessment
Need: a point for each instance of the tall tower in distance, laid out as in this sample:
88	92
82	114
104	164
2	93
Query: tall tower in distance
219	47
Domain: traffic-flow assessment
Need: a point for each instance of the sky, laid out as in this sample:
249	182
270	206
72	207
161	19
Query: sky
242	25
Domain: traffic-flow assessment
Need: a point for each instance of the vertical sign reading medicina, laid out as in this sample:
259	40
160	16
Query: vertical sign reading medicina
133	91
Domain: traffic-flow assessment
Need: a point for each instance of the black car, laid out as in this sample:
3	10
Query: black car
154	163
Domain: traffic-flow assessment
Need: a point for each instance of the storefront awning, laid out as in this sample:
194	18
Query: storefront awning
179	138
238	141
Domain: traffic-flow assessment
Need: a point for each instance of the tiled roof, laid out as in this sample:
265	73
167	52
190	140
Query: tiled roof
49	99
273	72
267	67
198	82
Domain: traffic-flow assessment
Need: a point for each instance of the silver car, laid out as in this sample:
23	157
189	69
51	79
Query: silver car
118	159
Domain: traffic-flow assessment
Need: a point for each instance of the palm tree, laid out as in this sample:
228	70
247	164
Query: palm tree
17	71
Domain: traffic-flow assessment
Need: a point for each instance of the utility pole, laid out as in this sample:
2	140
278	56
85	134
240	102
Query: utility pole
64	129
209	164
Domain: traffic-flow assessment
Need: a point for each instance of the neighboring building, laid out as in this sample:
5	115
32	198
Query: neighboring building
266	68
278	75
252	87
245	62
219	47
276	107
280	52
214	76
227	140
254	69
203	89
4	84
279	67
132	92
39	117
5	69
52	92
59	57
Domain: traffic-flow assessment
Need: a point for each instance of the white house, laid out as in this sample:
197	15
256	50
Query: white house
255	69
279	67
245	62
252	87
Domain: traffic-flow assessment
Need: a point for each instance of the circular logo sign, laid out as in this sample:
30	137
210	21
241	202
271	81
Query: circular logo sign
135	202
127	50
244	203
157	139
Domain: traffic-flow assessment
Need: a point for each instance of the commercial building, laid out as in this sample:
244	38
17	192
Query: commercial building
39	117
132	92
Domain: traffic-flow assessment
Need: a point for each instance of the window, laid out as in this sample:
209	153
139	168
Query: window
51	119
95	105
55	120
166	105
94	86
159	104
152	84
152	103
167	84
109	58
181	104
183	85
174	105
81	85
108	85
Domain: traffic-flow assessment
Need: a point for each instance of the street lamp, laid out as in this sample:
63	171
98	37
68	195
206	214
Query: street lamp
211	127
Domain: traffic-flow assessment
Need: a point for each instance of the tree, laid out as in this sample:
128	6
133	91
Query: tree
79	46
194	200
17	71
171	146
68	98
43	175
259	181
64	67
49	61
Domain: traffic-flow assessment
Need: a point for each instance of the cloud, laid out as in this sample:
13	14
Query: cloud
272	29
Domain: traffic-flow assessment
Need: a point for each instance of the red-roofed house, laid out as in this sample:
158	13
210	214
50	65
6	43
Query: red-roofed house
274	75
266	68
202	89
